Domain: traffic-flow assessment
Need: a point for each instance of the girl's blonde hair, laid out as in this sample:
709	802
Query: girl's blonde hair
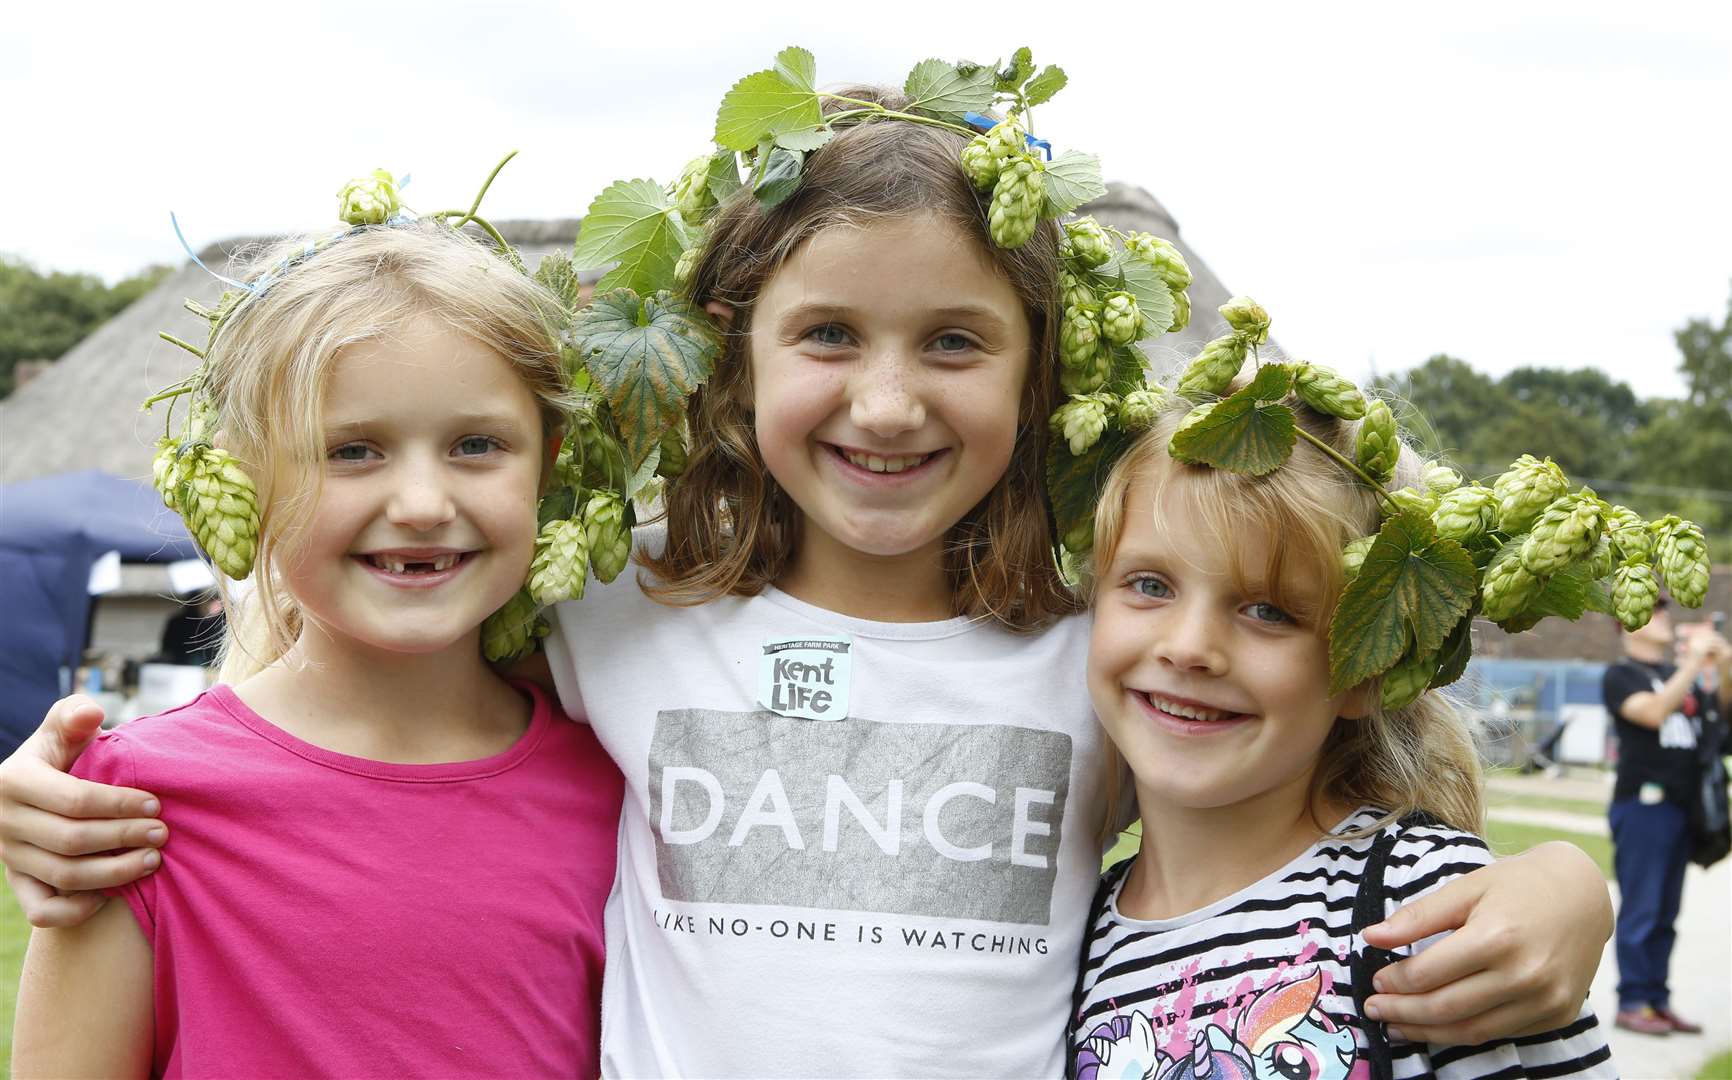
731	528
1421	757
267	371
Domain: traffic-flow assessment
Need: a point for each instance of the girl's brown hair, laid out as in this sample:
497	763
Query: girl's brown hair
1420	757
731	528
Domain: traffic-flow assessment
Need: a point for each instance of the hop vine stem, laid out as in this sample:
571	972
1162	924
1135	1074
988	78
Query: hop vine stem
1346	464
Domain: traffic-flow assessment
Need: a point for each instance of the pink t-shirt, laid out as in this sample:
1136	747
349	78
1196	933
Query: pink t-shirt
325	915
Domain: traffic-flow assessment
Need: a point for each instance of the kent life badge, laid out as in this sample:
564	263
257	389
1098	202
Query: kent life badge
806	677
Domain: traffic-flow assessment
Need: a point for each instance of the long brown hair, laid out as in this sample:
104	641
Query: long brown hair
731	529
1420	757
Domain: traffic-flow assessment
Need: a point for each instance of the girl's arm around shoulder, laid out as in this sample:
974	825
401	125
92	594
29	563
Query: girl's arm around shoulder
84	1001
1528	933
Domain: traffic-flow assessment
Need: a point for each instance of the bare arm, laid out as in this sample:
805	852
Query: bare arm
1649	708
1529	931
84	1001
56	830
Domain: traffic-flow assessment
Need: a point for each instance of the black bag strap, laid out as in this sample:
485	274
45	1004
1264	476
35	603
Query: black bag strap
1097	908
1369	904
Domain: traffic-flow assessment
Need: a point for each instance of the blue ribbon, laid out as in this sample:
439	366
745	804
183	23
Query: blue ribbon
193	255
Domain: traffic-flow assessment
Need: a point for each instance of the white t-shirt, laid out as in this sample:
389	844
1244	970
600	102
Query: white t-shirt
1261	982
848	848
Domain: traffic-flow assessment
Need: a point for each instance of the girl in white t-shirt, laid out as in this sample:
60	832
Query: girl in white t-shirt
1281	814
845	690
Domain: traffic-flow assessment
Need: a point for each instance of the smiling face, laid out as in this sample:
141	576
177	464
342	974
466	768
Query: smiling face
1214	694
425	518
888	364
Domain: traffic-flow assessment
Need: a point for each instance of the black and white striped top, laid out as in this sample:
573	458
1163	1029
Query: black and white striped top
1259	984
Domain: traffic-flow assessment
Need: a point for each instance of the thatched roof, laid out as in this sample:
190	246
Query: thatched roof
83	412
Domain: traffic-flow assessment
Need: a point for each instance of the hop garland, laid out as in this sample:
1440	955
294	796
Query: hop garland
586	511
1515	551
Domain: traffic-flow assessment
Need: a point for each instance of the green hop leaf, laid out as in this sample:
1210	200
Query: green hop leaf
1073	486
607	535
1411	590
1565	532
558	276
1683	560
768	104
1088	240
1240	434
510	632
1247	319
943	91
1071	180
1509	586
1162	257
560	564
1081	421
1121	319
1215	367
1353	556
631	223
1021	66
217	500
1524	490
1154	299
369	200
1403	683
1016	203
1377	448
1042	87
1466	513
1328	393
647	356
1634	594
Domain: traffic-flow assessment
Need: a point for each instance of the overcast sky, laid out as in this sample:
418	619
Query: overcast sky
1511	183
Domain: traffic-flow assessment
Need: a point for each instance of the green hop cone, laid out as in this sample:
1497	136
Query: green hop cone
508	632
1682	557
165	471
1565	532
1629	534
1121	319
673	459
561	561
1635	591
1089	242
691	192
1075	291
1163	257
1007	141
1137	410
1328	393
1602	561
1181	310
1440	479
602	457
979	164
1508	586
1403	683
369	200
1377	448
1192	418
220	506
608	535
1080	422
1353	557
1081	536
1465	514
1214	368
688	262
1079	337
1525	489
1016	202
1090	378
1247	319
1413	500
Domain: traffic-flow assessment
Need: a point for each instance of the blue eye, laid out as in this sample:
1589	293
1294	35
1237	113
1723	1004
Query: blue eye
953	343
477	445
829	334
1151	587
1263	611
350	452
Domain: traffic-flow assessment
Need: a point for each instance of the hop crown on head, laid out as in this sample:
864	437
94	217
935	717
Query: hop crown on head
1515	551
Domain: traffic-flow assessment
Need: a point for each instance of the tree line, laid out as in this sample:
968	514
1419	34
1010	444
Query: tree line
42	316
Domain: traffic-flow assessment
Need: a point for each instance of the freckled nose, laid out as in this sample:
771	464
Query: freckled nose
884	399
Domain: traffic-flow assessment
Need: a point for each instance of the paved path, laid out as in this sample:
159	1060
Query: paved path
1701	978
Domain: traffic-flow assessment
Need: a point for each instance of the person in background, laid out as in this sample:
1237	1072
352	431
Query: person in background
1659	713
193	635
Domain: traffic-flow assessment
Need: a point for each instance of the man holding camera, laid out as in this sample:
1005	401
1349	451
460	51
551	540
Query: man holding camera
1668	719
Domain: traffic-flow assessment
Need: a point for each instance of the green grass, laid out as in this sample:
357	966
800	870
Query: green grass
14	936
1510	838
1720	1068
1585	807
